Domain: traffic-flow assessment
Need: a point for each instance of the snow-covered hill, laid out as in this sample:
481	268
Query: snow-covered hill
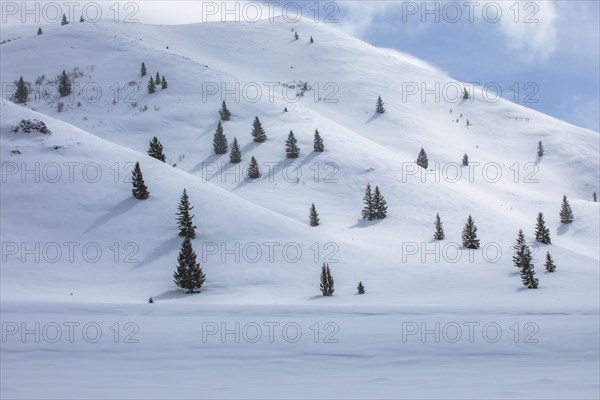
254	241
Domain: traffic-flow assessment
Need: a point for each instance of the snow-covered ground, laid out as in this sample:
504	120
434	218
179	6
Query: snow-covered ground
77	248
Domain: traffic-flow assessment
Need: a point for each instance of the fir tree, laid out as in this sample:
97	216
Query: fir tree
327	285
540	152
291	146
360	288
566	214
188	275
156	149
157	79
368	211
285	109
518	248
21	95
258	133
253	169
143	70
81	19
469	235
422	160
314	216
550	266
139	191
595	197
439	230
185	218
379	205
312	40
220	141
296	36
39	31
235	156
379	109
465	94
527	270
151	300
465	160
318	142
64	84
224	113
151	86
542	234
64	20
163	83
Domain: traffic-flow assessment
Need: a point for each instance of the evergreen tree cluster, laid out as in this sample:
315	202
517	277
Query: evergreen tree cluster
375	206
327	284
154	82
523	260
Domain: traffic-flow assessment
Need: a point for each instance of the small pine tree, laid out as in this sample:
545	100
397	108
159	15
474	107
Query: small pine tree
258	133
81	19
318	145
39	31
518	250
21	95
368	211
64	20
550	266
151	86
224	113
185	218
566	214
291	146
439	230
64	84
163	83
139	191
151	300
157	79
527	269
360	288
327	284
285	109
296	36
469	235
422	160
465	94
253	169
379	205
143	70
188	275
595	197
156	149
540	152
542	234
379	108
219	140
312	40
235	156
314	216
465	160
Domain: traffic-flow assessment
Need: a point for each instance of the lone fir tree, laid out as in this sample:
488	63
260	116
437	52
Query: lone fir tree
258	133
465	160
21	95
549	264
220	144
368	211
185	218
527	269
64	20
422	160
327	284
518	248
439	230
318	145
542	234
157	79
566	214
540	151
253	169
81	19
360	288
156	149
140	190
291	146
235	156
163	83
39	32
296	36
224	112
188	275
379	205
151	86
469	235
465	94
379	108
314	216
594	197
312	40
64	84
143	70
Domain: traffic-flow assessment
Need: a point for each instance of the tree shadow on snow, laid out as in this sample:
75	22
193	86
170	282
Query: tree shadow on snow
562	229
208	160
171	294
361	223
166	247
118	209
373	118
